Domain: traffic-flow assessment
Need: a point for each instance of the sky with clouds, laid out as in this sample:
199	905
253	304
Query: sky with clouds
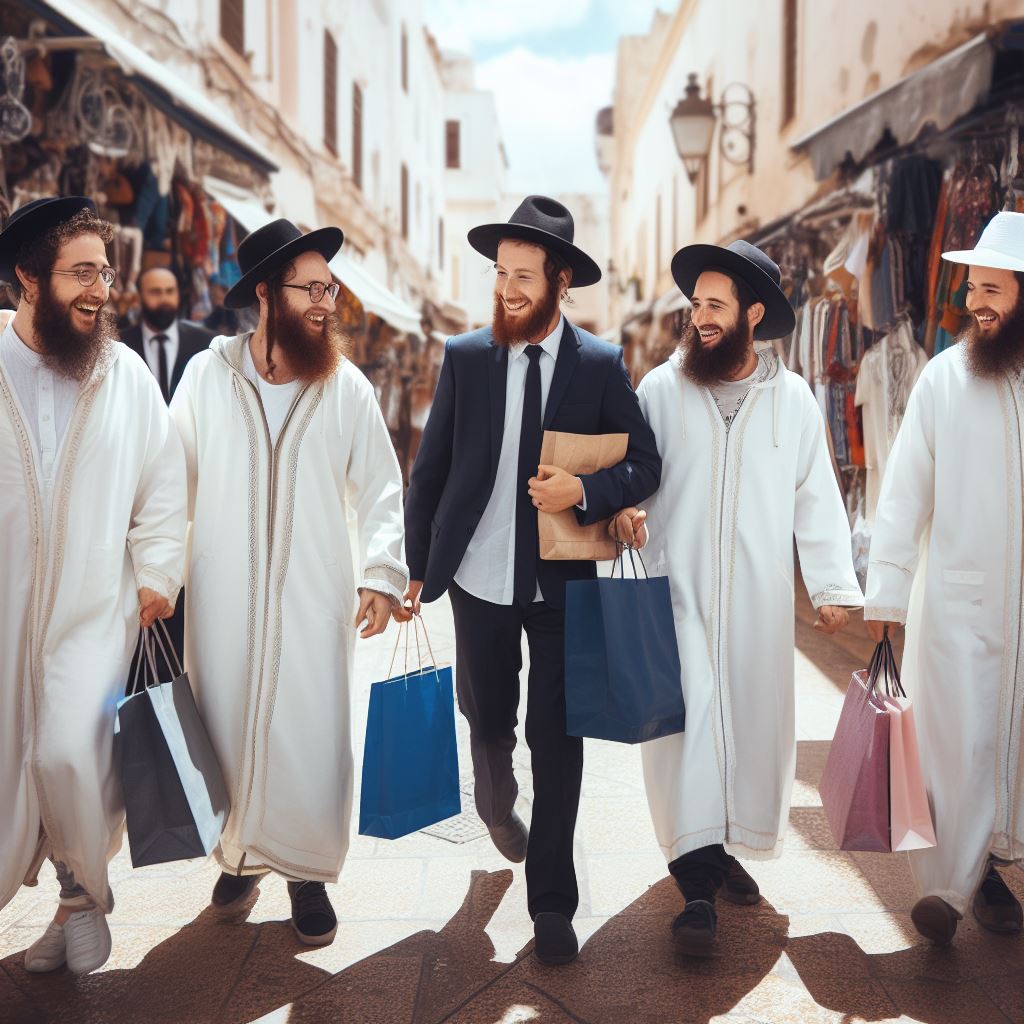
551	66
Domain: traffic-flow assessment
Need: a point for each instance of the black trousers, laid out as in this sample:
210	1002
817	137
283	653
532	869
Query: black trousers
488	661
700	873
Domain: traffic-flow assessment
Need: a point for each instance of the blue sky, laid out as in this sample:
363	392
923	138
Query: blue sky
551	66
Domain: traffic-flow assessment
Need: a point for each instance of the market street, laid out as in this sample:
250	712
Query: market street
433	930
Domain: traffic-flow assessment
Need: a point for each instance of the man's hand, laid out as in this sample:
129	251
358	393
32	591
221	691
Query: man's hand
628	527
555	490
876	628
410	603
153	606
831	619
375	608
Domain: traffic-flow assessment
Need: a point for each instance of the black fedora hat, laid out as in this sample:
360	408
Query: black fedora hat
33	219
266	250
758	271
545	222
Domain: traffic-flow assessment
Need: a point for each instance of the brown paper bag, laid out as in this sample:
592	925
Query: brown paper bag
561	537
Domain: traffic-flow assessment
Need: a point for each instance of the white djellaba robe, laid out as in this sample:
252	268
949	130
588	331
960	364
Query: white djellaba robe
271	597
721	528
946	560
69	613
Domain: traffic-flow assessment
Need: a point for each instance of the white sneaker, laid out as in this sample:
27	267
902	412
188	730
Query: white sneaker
47	953
87	939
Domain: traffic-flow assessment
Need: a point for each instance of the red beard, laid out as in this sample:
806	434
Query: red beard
508	330
312	355
68	351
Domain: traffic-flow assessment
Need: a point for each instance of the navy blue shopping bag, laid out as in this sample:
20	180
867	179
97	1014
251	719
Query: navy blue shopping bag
410	760
622	675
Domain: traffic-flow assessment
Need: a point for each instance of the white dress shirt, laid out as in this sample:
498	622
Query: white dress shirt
47	400
277	399
152	349
488	567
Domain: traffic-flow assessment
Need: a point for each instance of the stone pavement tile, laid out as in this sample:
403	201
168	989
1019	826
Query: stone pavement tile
508	1002
889	876
943	1002
881	932
809	830
832	1000
15	1008
815	882
1007	992
615	825
616	880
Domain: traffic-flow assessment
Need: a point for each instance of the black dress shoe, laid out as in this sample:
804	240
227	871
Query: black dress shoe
693	931
234	893
739	887
555	939
313	917
935	919
511	838
995	907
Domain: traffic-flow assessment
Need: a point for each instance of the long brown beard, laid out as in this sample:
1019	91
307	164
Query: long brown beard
66	350
708	365
508	331
312	355
1002	352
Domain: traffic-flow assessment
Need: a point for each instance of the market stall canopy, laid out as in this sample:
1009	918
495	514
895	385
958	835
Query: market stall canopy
938	94
168	92
246	209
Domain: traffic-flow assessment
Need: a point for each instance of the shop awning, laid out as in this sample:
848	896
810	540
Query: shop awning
373	296
937	94
168	92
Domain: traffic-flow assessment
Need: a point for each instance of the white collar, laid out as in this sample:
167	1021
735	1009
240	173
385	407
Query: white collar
148	334
549	344
18	349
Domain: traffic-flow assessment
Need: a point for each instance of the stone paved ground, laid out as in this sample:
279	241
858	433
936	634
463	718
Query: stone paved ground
433	931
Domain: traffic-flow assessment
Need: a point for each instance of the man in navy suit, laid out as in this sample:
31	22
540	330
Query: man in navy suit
471	529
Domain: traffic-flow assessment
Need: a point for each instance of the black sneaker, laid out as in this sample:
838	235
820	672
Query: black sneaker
313	917
234	893
693	931
995	907
738	886
555	939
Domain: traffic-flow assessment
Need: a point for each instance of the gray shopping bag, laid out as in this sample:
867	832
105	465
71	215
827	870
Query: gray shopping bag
175	799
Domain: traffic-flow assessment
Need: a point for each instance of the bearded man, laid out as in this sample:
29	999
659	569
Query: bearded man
946	560
746	469
471	524
92	515
283	435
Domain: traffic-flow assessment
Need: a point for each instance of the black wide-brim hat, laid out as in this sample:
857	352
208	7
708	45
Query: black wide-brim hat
35	219
544	222
266	250
758	271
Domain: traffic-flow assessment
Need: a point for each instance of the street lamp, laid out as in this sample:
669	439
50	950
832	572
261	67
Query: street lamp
693	124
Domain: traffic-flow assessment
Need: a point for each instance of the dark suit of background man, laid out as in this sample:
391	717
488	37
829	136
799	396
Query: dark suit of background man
166	344
471	529
163	340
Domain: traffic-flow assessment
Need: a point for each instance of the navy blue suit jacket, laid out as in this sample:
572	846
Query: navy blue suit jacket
457	462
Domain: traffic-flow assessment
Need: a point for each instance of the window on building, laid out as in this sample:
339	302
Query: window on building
452	144
330	93
405	60
440	243
405	202
790	54
232	24
357	135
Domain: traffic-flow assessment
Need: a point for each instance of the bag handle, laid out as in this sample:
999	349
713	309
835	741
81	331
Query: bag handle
404	628
145	665
883	663
621	562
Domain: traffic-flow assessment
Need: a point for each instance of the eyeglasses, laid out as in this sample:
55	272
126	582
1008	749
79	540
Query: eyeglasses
87	275
317	289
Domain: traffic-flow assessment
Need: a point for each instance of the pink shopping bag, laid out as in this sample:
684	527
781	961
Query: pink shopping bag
910	814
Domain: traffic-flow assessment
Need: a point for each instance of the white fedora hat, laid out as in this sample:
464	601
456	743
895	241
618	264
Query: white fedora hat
1000	247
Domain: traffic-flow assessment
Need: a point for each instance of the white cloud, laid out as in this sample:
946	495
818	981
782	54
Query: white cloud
459	24
546	109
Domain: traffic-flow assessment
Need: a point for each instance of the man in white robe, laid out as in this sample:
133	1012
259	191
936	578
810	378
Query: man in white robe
946	561
92	515
283	436
745	469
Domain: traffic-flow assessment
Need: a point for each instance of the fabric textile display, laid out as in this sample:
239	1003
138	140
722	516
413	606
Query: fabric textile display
623	678
410	776
175	799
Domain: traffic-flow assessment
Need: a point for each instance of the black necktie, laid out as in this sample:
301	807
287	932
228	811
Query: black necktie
165	390
525	578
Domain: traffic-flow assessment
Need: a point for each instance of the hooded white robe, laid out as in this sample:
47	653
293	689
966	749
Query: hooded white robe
69	613
946	560
271	597
721	528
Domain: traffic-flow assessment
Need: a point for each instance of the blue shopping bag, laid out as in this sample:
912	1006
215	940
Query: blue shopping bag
622	676
410	760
